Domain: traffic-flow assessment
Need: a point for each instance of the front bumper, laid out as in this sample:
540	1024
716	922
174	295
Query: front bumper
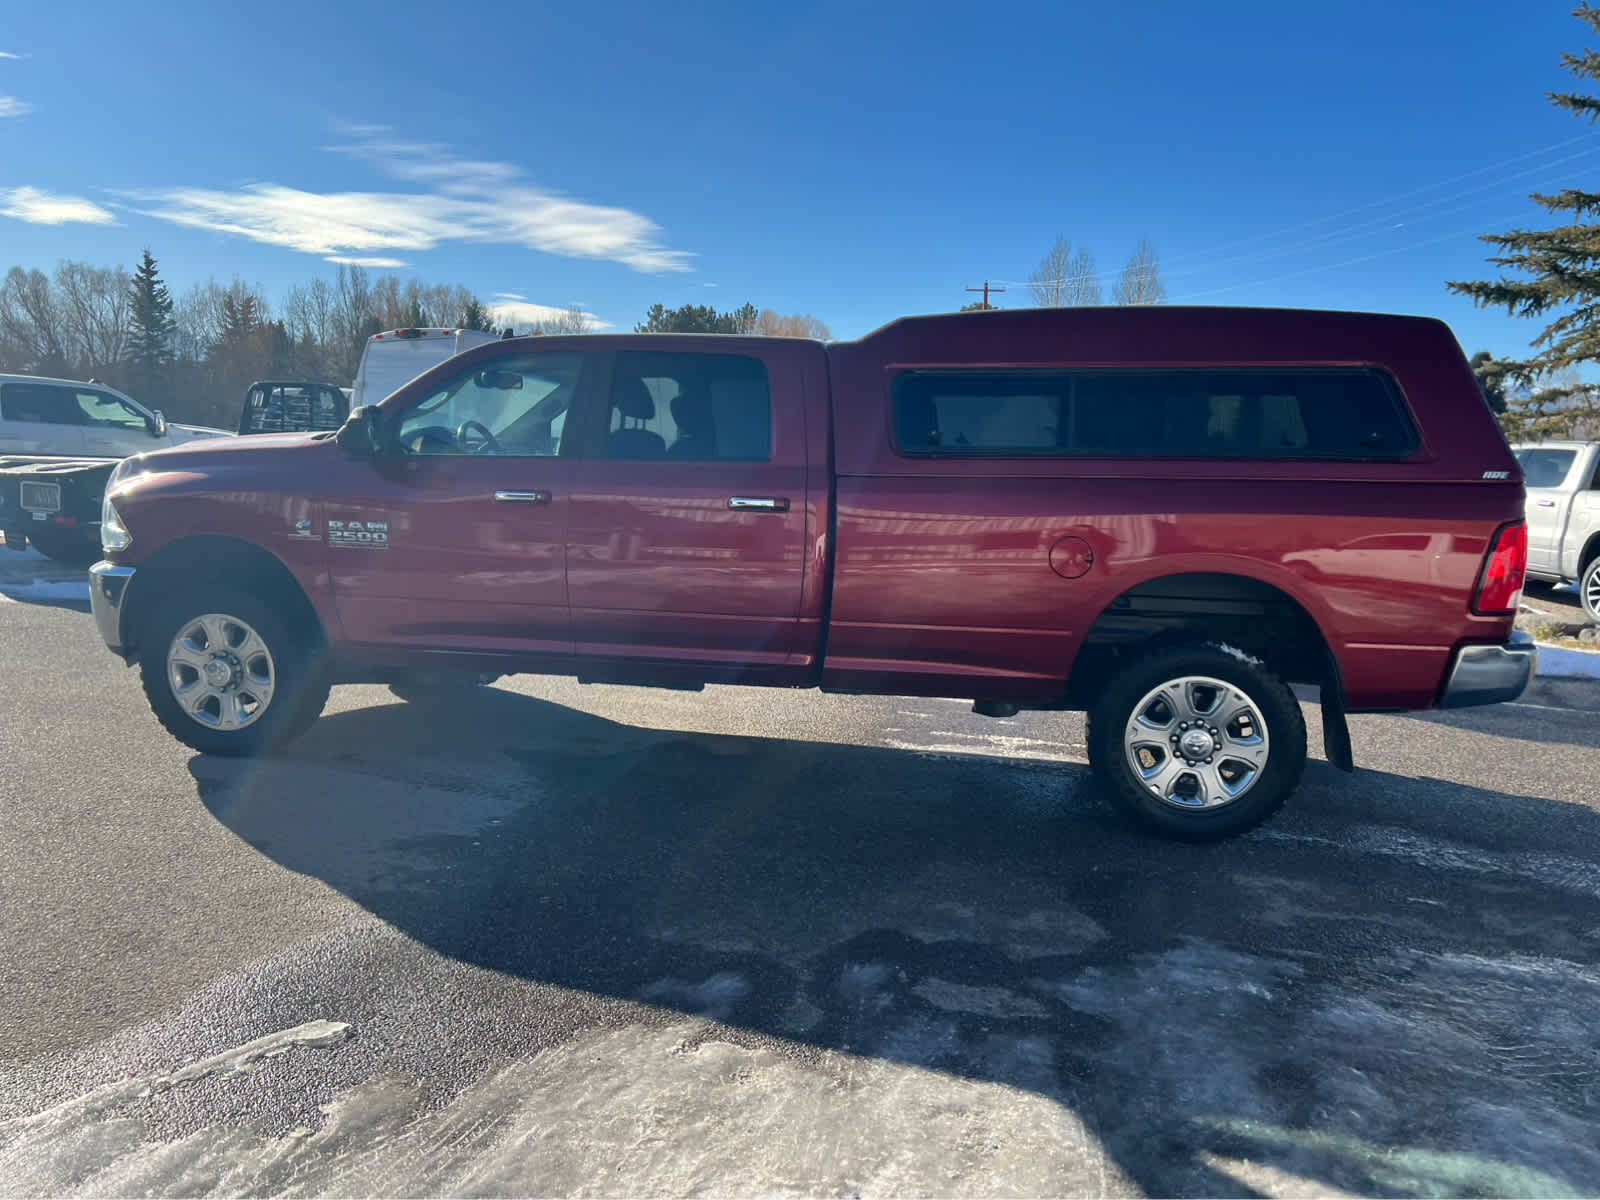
1491	674
108	594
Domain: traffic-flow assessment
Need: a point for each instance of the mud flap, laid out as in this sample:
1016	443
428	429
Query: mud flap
1335	730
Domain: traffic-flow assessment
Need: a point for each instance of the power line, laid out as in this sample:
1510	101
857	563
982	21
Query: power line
1349	262
1352	232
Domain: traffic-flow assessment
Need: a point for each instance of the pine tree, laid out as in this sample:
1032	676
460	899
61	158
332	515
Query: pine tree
1562	269
151	329
475	316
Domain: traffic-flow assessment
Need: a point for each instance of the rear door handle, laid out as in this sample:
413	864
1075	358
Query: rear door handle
522	497
759	503
1546	503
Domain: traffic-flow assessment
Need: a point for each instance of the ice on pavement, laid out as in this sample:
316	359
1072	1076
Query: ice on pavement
626	1112
313	1034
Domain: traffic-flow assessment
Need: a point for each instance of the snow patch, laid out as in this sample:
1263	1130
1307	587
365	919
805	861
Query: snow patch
1560	661
45	589
1234	651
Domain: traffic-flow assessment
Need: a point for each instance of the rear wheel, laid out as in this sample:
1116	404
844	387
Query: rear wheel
1197	742
225	675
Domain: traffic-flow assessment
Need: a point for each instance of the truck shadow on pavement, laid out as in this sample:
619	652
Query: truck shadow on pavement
1389	989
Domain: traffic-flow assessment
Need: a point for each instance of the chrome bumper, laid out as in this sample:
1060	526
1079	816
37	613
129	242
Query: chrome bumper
1491	674
108	590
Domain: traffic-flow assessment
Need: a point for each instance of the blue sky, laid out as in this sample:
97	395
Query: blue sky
855	161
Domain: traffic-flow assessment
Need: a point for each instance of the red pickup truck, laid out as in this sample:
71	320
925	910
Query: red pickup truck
1163	516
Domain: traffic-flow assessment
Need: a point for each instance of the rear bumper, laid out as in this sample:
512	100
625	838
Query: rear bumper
1490	674
108	594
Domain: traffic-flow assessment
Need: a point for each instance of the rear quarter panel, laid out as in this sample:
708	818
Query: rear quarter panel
943	580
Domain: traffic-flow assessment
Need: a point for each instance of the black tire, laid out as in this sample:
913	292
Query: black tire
438	687
70	549
299	683
1270	700
1589	591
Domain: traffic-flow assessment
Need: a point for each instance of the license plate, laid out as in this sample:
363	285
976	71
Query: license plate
41	497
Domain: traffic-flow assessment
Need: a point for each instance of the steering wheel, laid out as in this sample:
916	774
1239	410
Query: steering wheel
488	442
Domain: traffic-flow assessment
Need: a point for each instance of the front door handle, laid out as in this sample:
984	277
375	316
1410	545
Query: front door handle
522	497
1546	503
758	503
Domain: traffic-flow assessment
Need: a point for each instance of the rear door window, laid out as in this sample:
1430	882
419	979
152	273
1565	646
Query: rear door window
1545	468
41	403
690	407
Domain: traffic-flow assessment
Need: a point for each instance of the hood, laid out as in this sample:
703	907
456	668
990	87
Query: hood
220	453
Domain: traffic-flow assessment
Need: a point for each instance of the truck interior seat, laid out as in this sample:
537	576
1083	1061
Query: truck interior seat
633	402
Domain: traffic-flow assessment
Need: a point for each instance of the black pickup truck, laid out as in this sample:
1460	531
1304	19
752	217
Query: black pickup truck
54	504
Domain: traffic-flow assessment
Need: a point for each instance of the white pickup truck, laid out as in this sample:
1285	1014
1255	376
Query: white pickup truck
1563	487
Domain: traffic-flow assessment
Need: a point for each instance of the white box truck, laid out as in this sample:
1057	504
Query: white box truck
397	356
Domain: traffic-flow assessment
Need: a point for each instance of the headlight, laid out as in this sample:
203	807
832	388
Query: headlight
114	534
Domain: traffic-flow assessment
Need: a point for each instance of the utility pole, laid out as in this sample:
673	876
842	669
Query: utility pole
986	289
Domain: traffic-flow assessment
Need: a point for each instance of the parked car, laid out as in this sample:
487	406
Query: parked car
69	419
1164	516
1563	510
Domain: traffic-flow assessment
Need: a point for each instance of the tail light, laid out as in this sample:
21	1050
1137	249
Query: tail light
1500	584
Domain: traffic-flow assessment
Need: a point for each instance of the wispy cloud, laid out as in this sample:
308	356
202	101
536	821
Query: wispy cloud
461	200
10	106
8	54
377	264
523	312
39	207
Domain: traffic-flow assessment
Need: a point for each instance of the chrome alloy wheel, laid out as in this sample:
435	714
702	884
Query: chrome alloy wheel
1196	742
221	672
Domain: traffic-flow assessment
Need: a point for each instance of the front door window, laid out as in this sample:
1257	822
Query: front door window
515	406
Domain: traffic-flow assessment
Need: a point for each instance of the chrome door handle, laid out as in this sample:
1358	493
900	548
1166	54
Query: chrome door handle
758	503
522	497
1545	503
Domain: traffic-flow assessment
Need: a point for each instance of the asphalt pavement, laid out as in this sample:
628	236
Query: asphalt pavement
581	940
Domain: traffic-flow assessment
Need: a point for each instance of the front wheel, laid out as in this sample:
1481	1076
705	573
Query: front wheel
1589	591
1197	742
224	675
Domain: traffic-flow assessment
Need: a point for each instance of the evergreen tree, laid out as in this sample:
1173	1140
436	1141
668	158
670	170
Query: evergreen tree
151	328
475	316
698	318
1491	379
1561	269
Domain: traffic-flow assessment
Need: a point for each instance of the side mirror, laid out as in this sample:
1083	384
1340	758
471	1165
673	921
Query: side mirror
358	436
156	424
